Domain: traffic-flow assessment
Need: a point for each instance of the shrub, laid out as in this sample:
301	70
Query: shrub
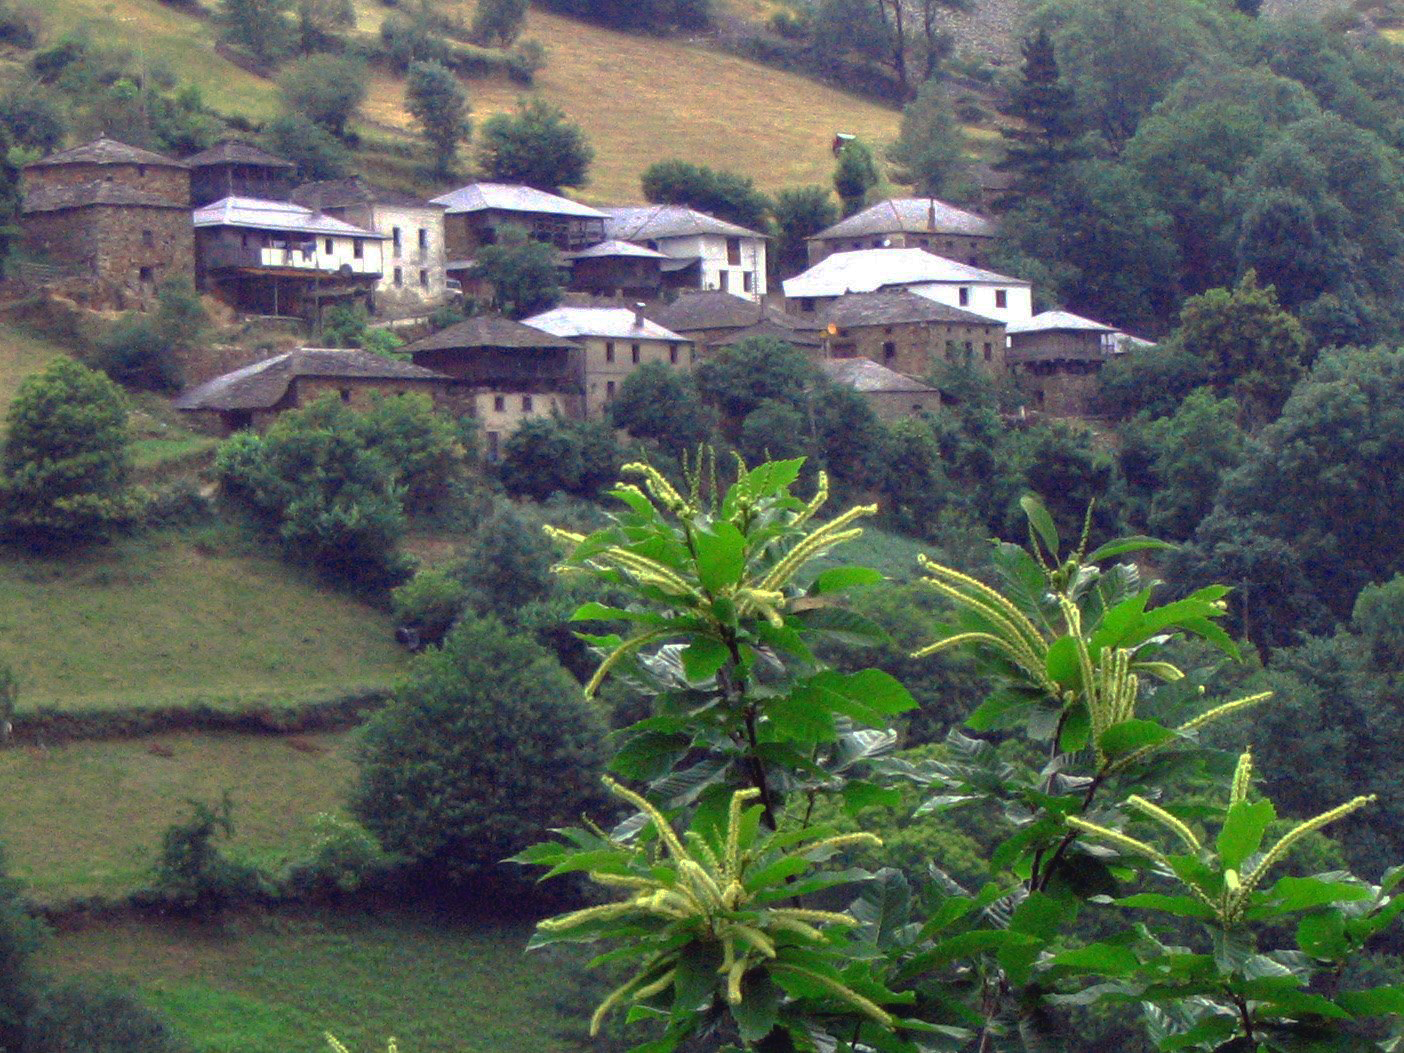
19	937
96	1016
317	153
547	456
508	563
429	603
20	25
344	858
420	447
134	352
66	458
328	89
192	873
488	745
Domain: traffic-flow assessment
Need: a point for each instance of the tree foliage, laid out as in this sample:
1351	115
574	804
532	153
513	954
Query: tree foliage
498	23
855	175
327	89
930	149
725	195
439	104
800	212
524	273
487	746
67	459
537	146
660	403
1042	135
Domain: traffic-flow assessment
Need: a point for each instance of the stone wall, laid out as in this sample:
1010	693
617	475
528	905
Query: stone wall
358	392
173	184
894	405
915	348
1059	389
128	250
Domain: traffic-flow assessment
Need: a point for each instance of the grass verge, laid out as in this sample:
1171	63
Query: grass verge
159	620
91	815
275	985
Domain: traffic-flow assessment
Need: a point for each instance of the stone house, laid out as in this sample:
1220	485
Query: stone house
706	252
116	216
910	333
503	373
474	215
413	281
1056	357
278	258
617	268
253	397
614	341
910	223
892	395
972	289
232	168
716	319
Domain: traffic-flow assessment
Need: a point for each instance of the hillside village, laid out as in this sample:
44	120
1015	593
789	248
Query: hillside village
701	526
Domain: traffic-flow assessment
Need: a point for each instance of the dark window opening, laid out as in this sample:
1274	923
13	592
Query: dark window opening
964	296
148	238
609	390
634	354
358	249
424	279
399	277
499	403
423	239
1001	298
609	351
889	351
733	251
146	274
345	394
327	246
673	354
526	403
395	239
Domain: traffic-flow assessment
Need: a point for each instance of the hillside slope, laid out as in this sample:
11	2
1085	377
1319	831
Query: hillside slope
639	98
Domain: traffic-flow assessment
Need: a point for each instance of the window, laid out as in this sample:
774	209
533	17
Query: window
399	277
609	390
673	353
494	446
989	351
1001	298
723	280
609	350
395	239
423	240
146	274
423	279
243	241
345	394
526	403
748	281
964	296
634	354
733	252
148	238
499	403
807	306
329	248
358	249
889	351
141	171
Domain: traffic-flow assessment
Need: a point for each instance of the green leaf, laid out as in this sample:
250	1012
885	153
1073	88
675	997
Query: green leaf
1062	663
1077	729
1122	545
836	579
1243	831
757	1012
1042	915
858	795
797	718
1003	709
696	976
1132	735
721	555
1041	521
1181	906
649	755
1298	893
1378	1001
845	626
703	658
1103	959
1323	936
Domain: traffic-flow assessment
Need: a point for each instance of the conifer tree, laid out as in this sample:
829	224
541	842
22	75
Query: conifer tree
855	175
1043	135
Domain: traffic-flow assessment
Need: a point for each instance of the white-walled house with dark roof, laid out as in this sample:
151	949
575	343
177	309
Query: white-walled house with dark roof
706	252
973	289
614	341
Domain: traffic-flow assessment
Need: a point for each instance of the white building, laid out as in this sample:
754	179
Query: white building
412	282
706	252
950	282
614	342
274	257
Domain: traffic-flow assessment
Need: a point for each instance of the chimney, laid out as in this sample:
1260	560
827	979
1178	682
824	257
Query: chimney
638	315
931	216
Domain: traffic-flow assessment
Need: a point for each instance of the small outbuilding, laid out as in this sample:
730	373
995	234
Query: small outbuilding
892	395
1056	357
253	397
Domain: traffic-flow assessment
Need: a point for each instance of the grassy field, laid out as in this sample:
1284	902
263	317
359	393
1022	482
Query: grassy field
161	619
92	813
274	986
639	98
21	355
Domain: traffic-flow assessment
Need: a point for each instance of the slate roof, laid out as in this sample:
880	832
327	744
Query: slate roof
772	329
866	270
612	249
507	197
257	214
263	384
58	198
910	215
105	151
865	375
894	307
490	330
1058	321
645	222
337	193
707	310
235	152
617	322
